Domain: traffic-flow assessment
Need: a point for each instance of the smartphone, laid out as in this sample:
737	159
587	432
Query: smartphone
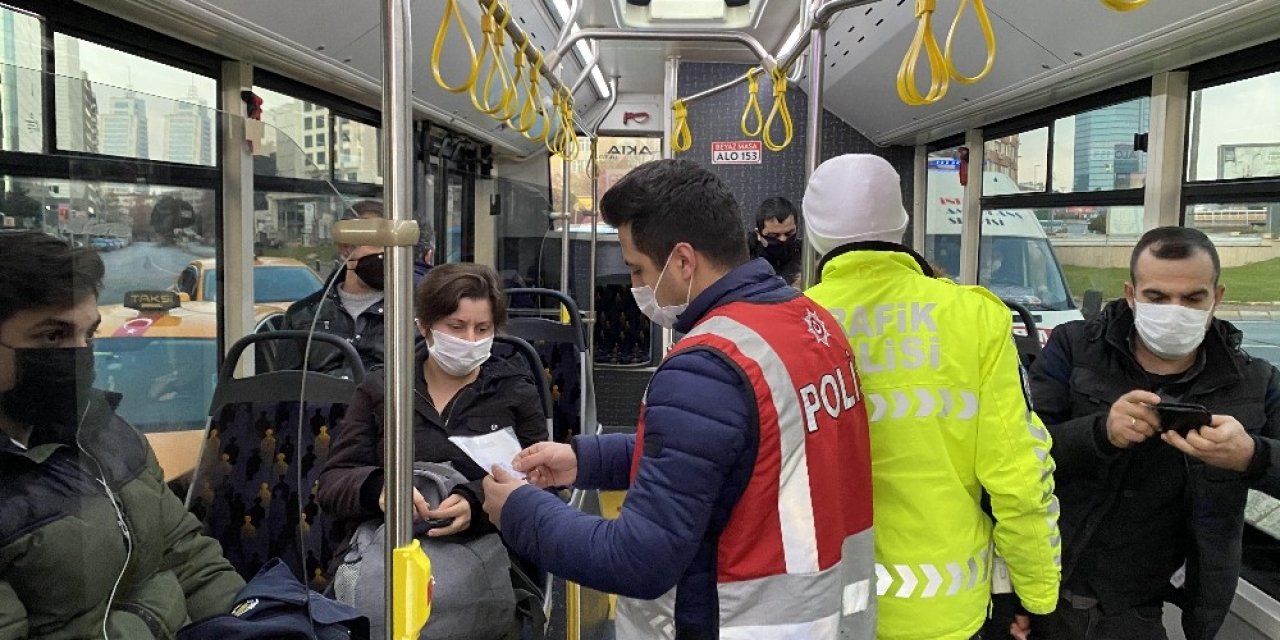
421	527
1182	417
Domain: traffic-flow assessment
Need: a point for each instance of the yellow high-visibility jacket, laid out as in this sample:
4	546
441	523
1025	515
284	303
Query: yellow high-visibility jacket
950	417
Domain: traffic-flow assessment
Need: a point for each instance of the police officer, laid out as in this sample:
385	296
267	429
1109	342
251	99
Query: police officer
949	416
748	474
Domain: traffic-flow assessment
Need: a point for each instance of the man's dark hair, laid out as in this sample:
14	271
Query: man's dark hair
440	291
1174	243
368	207
778	209
667	202
40	270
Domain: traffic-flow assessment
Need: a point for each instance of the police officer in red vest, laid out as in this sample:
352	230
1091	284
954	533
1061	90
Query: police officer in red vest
748	512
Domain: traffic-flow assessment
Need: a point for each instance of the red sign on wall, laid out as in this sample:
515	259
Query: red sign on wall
740	152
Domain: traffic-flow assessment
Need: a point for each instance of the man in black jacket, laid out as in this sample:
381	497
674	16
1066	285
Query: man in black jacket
350	308
777	237
1148	515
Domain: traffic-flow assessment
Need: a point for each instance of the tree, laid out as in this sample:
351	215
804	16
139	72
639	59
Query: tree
1098	224
170	214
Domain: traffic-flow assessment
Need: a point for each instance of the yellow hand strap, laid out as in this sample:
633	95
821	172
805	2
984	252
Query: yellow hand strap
451	12
753	106
779	110
532	103
482	93
681	138
926	42
1125	5
513	106
988	34
571	149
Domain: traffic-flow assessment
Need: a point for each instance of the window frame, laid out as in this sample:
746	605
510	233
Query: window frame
1254	62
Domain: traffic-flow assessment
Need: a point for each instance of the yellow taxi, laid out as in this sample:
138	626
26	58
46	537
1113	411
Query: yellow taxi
277	282
161	354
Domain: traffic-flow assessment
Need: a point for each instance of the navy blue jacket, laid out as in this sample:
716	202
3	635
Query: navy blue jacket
699	450
276	605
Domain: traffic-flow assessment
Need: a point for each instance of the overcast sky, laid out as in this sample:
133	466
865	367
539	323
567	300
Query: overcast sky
1244	112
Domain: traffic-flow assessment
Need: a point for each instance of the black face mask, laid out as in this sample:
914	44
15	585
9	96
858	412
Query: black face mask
50	392
779	252
369	269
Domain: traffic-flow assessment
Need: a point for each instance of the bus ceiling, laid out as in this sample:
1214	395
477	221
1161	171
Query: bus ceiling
1038	62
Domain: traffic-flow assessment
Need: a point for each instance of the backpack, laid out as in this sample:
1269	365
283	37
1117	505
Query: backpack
472	598
274	605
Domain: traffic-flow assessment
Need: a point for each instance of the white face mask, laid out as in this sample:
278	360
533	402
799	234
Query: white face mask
458	357
647	300
1170	331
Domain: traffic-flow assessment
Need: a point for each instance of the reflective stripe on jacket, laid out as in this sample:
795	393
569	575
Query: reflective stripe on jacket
795	557
950	418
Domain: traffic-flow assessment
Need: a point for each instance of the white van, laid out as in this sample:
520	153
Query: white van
1015	259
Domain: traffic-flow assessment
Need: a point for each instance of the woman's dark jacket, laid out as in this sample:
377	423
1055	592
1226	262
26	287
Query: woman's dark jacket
502	396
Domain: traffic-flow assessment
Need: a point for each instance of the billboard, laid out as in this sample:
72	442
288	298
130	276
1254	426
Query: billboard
1238	161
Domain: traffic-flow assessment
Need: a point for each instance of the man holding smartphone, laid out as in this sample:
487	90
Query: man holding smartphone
1150	515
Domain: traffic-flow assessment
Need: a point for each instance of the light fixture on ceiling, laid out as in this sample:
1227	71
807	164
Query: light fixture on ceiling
581	49
688	14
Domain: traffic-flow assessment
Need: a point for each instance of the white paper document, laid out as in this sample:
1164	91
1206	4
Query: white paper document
497	448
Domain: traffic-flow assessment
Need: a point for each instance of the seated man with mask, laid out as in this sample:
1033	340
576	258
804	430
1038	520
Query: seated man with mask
92	541
351	308
1140	501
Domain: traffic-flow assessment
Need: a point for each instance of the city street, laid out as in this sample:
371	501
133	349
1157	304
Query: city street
145	265
1262	337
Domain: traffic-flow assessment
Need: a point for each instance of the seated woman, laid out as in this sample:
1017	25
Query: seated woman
459	391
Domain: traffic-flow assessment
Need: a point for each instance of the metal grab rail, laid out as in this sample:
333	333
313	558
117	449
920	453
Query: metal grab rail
601	33
532	54
785	60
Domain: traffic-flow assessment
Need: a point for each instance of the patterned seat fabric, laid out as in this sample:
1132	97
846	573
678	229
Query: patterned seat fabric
564	377
248	492
622	335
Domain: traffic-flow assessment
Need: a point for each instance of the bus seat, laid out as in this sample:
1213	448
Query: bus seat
562	349
621	331
505	346
1028	345
264	448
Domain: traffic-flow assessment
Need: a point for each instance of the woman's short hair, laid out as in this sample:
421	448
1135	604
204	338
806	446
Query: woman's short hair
440	291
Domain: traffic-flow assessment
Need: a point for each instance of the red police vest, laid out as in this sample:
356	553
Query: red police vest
797	556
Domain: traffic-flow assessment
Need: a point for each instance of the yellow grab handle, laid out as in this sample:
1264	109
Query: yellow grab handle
779	110
482	92
681	139
988	34
554	141
411	601
568	127
1125	5
451	11
924	41
513	106
753	105
532	103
